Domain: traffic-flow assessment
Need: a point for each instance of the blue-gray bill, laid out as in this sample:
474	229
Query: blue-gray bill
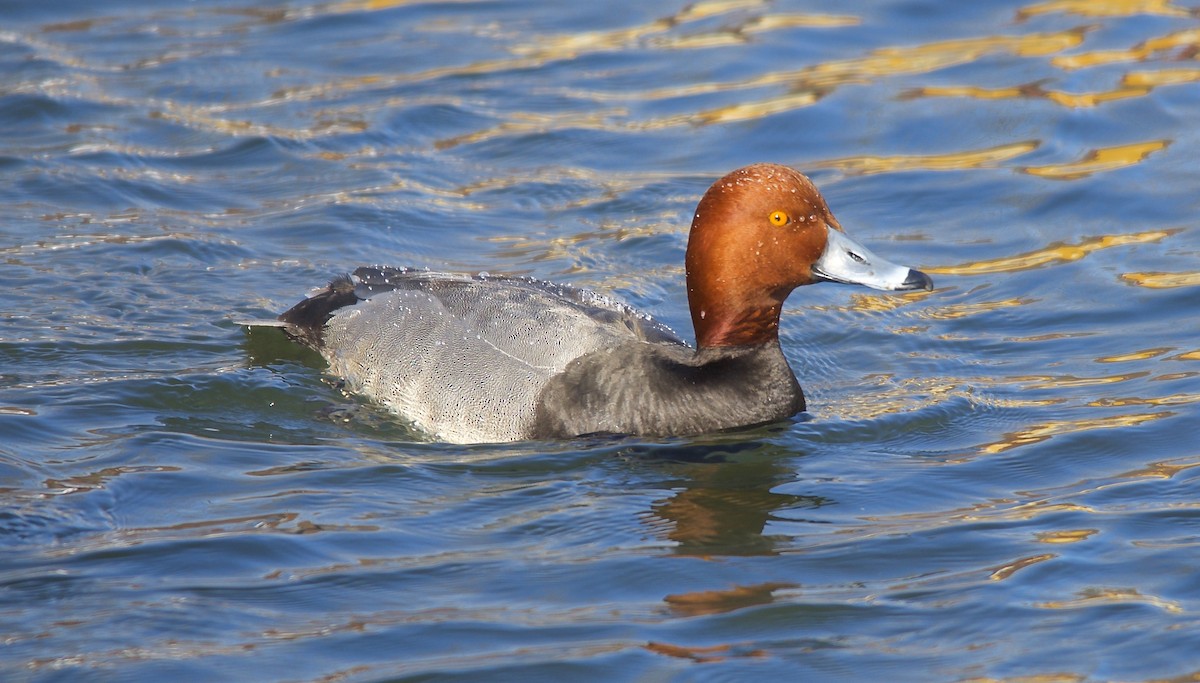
845	260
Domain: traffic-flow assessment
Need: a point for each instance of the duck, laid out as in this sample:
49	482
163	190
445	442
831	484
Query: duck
481	358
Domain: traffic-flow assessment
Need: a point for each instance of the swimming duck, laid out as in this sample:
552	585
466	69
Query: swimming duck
480	358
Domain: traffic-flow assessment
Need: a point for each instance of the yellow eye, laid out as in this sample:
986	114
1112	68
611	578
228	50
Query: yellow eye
779	218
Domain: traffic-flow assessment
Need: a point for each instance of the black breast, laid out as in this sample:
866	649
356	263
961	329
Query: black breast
668	390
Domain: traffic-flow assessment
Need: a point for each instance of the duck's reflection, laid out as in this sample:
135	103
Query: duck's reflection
722	496
721	501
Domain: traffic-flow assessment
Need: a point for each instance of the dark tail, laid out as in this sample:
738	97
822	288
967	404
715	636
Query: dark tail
306	320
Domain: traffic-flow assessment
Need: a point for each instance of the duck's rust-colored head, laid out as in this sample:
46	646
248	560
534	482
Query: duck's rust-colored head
759	233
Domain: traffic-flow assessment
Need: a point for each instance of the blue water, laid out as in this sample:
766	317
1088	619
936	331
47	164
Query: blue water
997	480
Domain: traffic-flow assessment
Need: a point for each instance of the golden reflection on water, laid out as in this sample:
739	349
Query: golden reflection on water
1188	39
1055	253
1051	336
771	22
1104	8
543	50
1144	354
1065	381
1093	596
572	45
1159	280
1150	79
377	5
869	302
966	310
995	511
1066	535
810	84
1161	470
1172	400
893	396
890	61
983	158
1100	159
1043	432
745	111
657	32
1035	90
1001	573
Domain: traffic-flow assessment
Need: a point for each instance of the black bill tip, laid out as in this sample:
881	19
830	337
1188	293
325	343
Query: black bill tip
917	280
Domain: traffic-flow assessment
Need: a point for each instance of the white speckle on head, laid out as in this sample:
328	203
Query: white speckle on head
702	314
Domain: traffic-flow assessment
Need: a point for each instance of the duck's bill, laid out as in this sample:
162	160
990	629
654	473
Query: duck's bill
845	260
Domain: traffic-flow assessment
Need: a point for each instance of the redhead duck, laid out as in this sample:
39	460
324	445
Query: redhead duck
479	358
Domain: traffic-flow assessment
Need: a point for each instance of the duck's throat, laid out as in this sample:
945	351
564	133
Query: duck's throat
743	327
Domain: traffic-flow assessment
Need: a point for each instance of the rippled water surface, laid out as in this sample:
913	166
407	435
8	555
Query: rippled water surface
997	480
